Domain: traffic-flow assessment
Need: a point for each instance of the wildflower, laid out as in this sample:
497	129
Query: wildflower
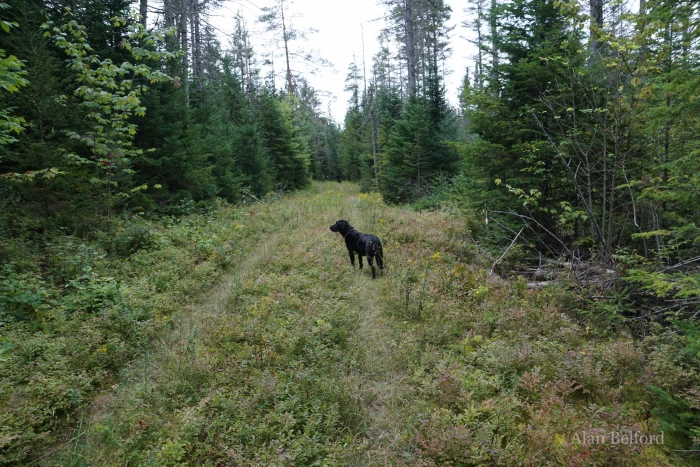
436	256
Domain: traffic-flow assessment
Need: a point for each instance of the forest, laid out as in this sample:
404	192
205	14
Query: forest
170	293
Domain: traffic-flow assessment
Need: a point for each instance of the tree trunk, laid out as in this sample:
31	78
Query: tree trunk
185	51
196	46
410	48
249	77
286	51
143	11
372	99
479	44
194	76
364	66
169	13
494	45
596	26
422	43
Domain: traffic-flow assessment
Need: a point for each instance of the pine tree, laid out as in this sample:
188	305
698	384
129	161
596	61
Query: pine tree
286	149
253	164
353	141
536	48
415	154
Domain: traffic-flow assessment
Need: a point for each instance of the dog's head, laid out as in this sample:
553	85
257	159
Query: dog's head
341	227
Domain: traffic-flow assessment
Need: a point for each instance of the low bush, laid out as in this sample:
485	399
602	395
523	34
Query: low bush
78	310
296	359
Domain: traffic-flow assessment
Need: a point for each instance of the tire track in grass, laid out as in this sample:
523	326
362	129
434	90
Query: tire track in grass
97	437
381	381
292	360
375	371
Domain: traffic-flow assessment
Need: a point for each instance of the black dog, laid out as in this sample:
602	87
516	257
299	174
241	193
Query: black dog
362	244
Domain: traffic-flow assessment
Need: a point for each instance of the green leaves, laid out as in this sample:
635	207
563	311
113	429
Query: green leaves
31	175
6	25
11	80
111	92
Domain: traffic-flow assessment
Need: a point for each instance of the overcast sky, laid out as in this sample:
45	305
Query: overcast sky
340	27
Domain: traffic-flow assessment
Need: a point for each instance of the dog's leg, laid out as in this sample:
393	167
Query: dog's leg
360	258
352	258
371	265
380	263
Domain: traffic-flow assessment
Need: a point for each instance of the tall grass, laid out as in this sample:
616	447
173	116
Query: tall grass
297	359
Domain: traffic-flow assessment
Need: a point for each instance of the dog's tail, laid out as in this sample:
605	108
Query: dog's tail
377	250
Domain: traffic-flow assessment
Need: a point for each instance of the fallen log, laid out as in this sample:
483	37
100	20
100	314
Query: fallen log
537	285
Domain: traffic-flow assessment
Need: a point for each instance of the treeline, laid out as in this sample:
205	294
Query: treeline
577	124
101	114
398	125
583	126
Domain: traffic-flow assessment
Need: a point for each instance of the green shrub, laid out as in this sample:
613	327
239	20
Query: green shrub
24	296
72	316
68	258
678	411
132	235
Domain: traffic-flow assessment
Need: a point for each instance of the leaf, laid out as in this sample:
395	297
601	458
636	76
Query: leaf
53	172
559	440
653	233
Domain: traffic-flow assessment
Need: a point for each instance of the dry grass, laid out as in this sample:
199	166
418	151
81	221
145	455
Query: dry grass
296	359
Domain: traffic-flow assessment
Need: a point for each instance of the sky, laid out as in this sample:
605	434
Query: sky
340	28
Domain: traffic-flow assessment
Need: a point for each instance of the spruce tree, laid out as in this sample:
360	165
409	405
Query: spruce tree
415	153
287	150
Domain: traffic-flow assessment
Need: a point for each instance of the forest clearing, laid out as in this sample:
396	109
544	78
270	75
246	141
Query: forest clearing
172	291
285	355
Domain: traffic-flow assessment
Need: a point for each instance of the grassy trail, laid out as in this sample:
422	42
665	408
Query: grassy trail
296	359
292	305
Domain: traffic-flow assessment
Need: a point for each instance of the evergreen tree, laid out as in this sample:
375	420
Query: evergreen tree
253	163
352	145
287	150
179	161
415	153
353	138
537	49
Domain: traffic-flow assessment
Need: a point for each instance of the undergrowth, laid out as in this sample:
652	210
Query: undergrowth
74	311
296	359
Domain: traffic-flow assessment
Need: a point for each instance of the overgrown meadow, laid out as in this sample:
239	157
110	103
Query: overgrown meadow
242	336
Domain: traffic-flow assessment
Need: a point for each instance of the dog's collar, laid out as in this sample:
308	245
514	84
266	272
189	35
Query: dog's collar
349	232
